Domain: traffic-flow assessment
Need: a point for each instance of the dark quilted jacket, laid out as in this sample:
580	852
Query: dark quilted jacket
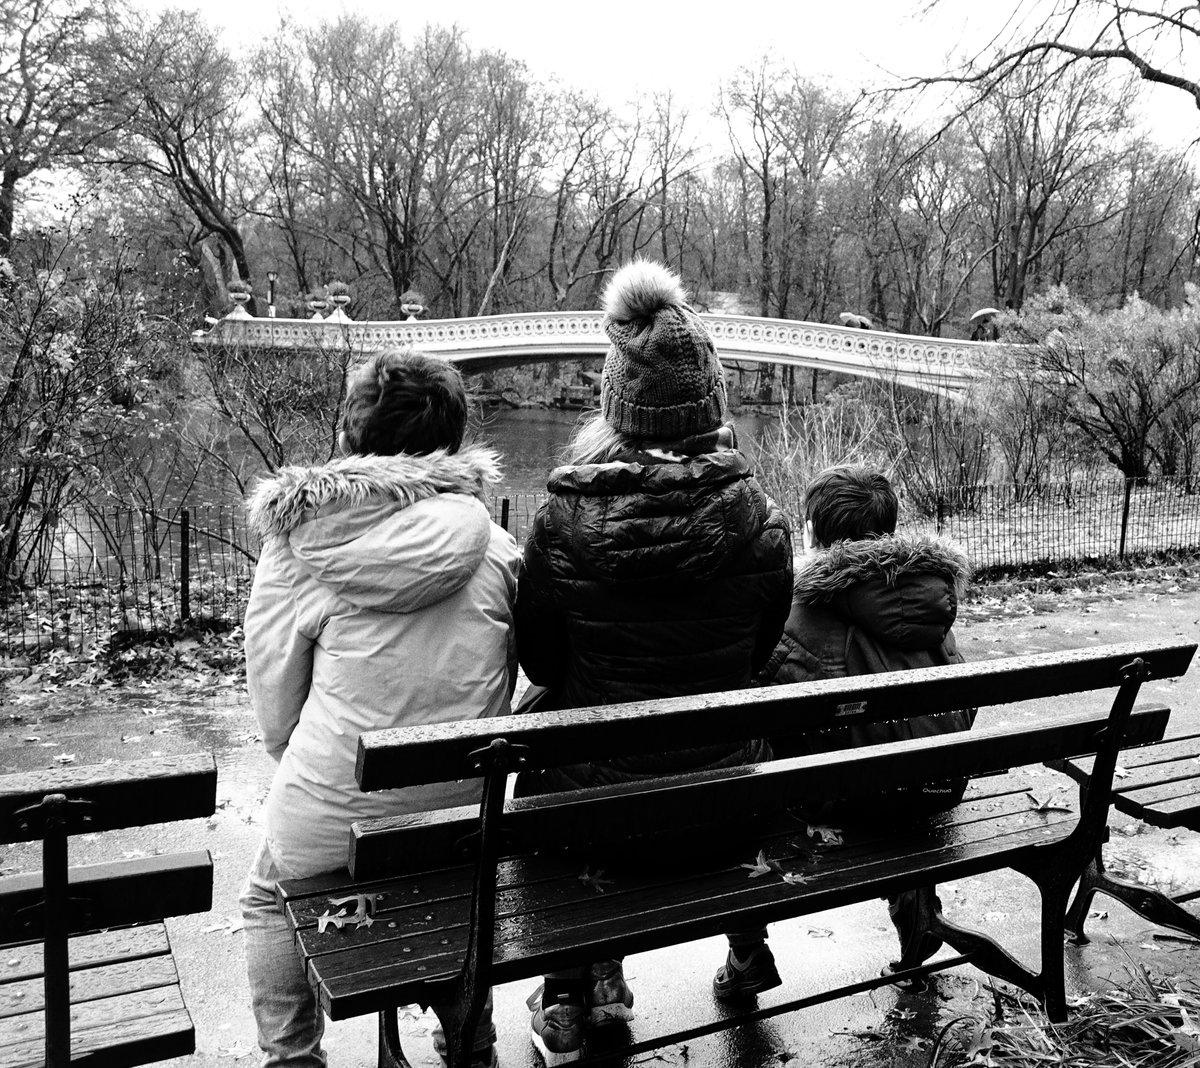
652	578
862	607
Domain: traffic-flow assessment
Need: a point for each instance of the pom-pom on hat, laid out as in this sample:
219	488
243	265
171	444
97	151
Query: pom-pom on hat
662	379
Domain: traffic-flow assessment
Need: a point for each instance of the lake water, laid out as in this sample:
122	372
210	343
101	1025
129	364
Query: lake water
530	441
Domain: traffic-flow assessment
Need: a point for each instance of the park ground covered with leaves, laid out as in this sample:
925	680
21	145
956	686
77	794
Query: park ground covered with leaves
1148	1022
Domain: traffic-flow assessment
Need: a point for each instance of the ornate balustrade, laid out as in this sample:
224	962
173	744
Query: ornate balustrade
481	344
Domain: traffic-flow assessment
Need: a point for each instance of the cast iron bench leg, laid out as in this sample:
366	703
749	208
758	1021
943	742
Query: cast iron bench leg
390	1053
1147	902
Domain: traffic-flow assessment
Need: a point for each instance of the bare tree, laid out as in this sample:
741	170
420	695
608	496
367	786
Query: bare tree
786	132
183	123
1150	40
1047	147
51	91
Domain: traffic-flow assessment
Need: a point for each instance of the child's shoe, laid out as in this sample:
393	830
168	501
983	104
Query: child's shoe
747	974
559	1020
609	997
909	911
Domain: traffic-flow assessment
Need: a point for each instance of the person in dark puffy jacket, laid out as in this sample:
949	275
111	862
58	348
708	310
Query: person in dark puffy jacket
869	600
658	567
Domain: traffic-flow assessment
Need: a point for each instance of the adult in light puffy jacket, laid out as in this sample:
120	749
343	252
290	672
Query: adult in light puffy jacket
658	567
869	600
383	598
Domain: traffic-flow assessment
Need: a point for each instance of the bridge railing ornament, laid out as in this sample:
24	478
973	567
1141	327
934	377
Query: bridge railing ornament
481	344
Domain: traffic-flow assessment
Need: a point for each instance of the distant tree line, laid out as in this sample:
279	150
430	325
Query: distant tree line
343	150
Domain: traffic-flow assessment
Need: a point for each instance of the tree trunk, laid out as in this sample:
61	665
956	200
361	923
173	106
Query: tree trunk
8	187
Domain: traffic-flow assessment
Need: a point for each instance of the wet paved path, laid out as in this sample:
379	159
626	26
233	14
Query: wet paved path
886	1028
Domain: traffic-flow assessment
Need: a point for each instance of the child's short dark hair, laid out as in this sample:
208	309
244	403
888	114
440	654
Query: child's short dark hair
849	502
404	401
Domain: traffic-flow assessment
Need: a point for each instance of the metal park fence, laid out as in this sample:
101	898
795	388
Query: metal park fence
129	575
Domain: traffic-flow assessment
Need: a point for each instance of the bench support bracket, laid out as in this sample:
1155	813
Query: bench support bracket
460	1014
1148	902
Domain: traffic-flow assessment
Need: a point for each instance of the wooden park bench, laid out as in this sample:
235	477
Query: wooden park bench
437	906
1160	785
86	971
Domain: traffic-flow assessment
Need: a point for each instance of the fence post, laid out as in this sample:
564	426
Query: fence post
1125	517
185	564
504	512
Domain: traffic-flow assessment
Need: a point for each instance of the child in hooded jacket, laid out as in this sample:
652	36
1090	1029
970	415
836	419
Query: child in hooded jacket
383	597
868	600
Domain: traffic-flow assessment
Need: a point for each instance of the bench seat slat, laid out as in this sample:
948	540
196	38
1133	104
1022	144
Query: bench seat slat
1161	784
608	815
1142	761
542	885
92	984
537	922
633	919
116	893
440	752
132	793
128	943
116	1032
1177	812
409	899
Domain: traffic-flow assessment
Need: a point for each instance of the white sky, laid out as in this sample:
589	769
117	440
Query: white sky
622	48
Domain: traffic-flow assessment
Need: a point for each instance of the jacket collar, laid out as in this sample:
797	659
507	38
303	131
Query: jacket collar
279	504
823	574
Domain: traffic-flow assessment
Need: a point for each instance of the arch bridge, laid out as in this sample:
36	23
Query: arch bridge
489	342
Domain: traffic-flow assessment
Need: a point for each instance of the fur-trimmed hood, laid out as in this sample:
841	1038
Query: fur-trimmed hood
279	504
388	533
902	590
827	572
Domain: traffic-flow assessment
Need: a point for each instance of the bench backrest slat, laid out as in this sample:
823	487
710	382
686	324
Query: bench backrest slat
708	801
440	752
135	793
111	894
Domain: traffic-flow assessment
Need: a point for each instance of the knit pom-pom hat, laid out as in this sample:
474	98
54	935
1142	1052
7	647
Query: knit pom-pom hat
662	379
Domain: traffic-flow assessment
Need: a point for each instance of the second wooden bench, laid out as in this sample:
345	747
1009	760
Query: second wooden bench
89	976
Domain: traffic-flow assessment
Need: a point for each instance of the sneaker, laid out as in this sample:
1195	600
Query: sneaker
558	1022
743	979
609	997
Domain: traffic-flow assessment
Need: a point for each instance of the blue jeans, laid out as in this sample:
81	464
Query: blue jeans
289	1018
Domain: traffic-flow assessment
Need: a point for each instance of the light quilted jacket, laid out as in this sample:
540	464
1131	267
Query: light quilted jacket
383	598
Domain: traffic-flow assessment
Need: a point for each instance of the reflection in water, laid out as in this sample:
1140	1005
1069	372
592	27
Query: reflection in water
530	441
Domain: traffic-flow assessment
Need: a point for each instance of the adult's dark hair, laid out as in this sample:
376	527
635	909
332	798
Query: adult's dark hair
404	401
848	502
